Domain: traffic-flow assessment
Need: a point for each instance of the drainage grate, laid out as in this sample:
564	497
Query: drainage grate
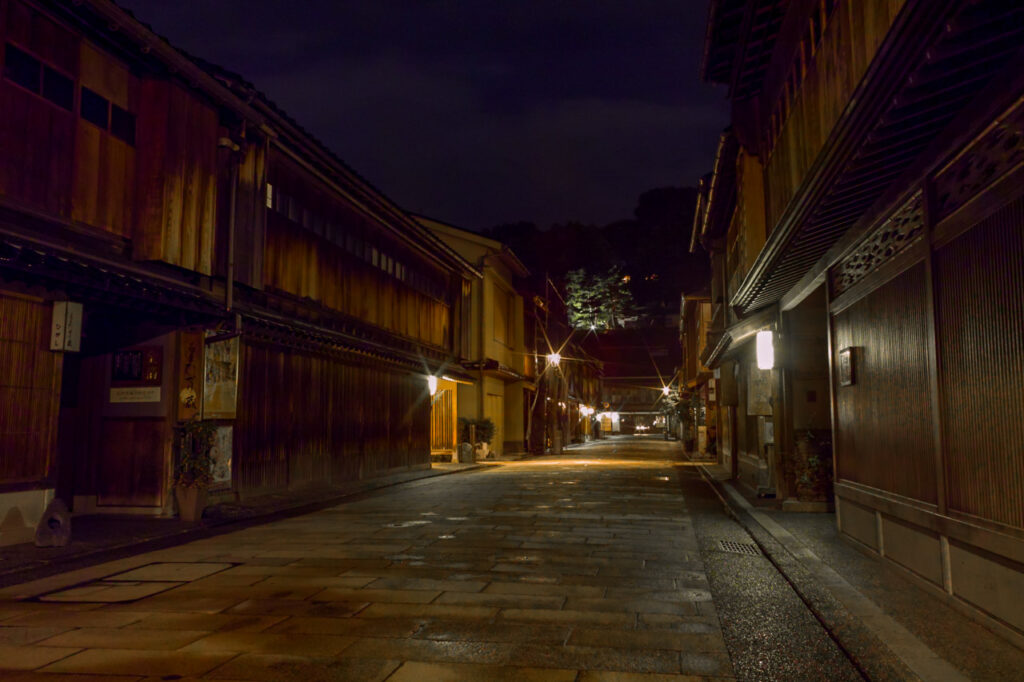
739	547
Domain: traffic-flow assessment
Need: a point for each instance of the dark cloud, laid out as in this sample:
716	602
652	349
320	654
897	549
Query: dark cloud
479	112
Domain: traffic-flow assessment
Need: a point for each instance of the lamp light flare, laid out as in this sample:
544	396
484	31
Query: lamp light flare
432	384
554	359
665	390
765	350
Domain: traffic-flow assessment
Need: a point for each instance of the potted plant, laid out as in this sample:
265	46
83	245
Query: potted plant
480	440
194	469
812	467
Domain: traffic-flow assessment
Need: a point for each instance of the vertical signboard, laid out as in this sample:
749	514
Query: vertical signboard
190	375
66	327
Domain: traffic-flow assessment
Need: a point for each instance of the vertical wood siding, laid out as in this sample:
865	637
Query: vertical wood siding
302	263
442	421
104	166
851	39
29	390
36	136
306	418
884	421
979	292
177	177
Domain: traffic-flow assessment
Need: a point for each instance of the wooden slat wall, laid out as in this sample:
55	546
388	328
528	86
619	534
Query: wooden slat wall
30	376
979	302
851	40
177	177
884	422
304	264
306	418
36	137
104	166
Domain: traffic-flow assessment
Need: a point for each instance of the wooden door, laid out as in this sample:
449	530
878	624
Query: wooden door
133	458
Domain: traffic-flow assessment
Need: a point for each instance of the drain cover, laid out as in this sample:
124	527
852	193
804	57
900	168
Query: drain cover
739	547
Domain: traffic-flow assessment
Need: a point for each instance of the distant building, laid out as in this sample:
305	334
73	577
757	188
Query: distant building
639	364
493	339
700	422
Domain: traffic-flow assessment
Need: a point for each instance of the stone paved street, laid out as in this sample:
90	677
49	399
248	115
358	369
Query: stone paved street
590	567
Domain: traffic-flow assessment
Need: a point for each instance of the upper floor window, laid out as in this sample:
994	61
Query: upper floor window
98	110
32	74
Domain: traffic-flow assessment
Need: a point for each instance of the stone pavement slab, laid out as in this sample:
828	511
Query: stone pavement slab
589	566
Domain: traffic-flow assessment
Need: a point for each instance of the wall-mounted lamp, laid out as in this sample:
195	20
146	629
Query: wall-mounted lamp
554	359
432	384
665	390
765	350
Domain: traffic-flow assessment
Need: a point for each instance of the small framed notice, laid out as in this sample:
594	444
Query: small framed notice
847	373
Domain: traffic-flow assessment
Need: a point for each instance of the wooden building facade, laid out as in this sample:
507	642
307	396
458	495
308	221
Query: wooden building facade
880	142
172	247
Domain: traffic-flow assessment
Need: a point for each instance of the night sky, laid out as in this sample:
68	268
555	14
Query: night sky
479	112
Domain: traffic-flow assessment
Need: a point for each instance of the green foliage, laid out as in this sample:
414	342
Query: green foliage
811	465
195	463
673	404
597	301
484	430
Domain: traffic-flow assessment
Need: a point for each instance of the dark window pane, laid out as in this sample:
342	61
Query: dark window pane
22	68
58	88
95	109
122	124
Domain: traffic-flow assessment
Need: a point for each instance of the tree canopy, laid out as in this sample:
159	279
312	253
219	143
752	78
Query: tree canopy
598	300
652	249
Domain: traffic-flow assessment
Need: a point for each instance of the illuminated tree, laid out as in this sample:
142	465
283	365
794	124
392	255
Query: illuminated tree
597	301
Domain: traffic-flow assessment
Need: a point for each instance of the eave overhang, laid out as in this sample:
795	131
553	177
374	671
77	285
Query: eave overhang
735	335
721	193
935	60
287	331
60	265
496	369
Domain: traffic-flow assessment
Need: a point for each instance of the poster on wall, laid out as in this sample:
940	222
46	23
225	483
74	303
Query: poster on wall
221	454
220	377
136	375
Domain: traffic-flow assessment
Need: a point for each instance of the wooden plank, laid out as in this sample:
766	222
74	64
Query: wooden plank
85	193
151	138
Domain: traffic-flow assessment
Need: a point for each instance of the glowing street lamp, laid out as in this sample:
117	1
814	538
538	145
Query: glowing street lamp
665	390
432	384
554	359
